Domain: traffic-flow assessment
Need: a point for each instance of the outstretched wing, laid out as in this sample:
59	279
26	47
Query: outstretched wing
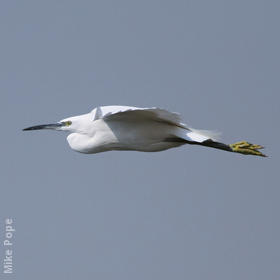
155	114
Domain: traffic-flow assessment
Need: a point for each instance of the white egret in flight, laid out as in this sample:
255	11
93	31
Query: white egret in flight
109	128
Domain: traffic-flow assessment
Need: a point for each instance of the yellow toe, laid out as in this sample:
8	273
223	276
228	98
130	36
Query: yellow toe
246	148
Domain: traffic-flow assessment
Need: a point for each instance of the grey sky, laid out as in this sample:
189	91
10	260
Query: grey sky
186	213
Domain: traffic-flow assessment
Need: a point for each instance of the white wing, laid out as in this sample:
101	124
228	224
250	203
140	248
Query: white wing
119	112
156	114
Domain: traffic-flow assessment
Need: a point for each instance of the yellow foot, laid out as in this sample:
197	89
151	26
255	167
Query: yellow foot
246	148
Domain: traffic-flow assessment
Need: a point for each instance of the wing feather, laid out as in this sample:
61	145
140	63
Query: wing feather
155	114
119	112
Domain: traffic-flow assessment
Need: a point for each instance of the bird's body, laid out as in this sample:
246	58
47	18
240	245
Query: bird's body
120	135
129	128
108	128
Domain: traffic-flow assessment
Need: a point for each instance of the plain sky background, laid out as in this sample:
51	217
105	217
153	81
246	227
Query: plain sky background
187	213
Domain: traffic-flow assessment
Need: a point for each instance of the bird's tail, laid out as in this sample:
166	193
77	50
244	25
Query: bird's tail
200	135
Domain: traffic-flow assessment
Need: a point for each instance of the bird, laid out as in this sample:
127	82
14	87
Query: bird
108	128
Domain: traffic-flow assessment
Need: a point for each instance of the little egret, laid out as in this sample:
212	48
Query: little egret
108	128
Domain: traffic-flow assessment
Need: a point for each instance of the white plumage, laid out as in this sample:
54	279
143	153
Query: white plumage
130	128
108	128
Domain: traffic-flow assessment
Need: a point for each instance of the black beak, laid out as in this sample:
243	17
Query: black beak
44	126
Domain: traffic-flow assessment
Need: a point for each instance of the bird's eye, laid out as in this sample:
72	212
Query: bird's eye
67	123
